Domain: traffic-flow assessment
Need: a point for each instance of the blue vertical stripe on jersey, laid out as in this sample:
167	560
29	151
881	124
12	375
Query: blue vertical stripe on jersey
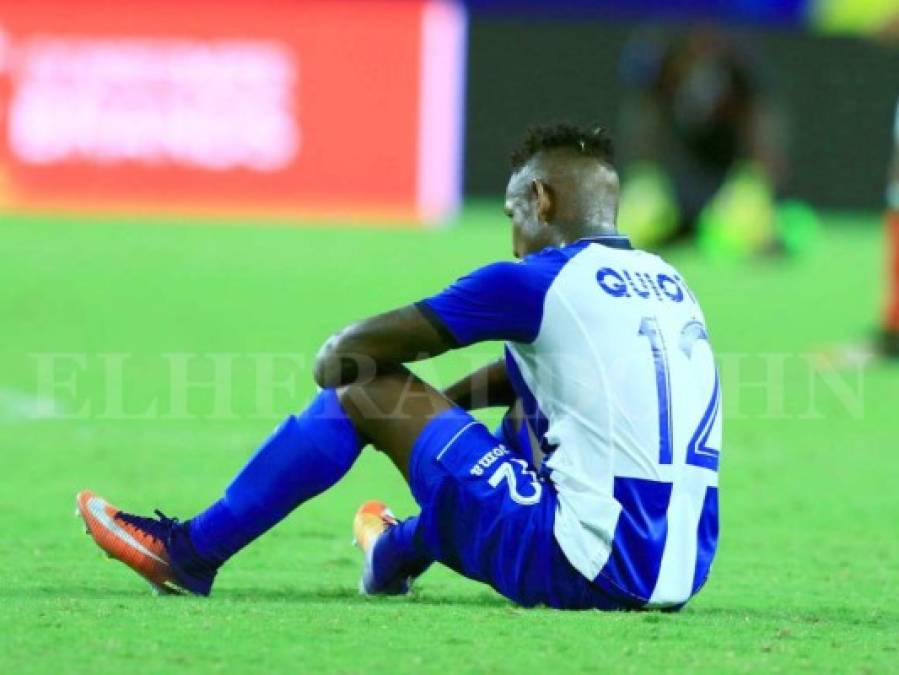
518	442
707	537
535	417
698	451
640	535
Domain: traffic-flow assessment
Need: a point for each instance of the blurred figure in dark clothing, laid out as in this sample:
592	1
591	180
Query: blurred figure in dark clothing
889	341
702	143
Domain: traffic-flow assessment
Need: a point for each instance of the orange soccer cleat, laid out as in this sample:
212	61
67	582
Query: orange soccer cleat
144	544
372	520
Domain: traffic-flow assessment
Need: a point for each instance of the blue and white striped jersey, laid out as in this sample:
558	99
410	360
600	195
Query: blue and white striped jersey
608	349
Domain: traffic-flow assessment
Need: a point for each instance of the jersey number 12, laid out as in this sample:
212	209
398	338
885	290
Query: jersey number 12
699	453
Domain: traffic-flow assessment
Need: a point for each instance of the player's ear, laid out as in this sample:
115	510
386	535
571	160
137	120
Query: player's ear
545	200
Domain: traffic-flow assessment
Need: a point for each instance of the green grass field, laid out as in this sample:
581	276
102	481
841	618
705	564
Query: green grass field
806	573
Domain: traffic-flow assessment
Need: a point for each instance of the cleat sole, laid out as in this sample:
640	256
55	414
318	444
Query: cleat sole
161	590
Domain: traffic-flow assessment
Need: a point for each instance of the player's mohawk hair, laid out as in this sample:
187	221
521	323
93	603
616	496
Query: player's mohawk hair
594	142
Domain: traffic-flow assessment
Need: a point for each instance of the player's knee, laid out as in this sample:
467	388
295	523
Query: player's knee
338	364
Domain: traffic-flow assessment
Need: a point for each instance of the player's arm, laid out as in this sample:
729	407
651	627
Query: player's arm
487	387
501	301
378	345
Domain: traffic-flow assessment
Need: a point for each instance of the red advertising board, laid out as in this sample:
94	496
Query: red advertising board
319	108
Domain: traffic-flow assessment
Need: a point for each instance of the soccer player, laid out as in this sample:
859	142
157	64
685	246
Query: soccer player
890	336
703	136
600	488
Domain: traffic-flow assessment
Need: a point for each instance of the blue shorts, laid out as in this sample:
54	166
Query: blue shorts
487	514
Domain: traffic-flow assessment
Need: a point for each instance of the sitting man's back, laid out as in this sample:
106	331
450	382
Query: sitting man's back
621	390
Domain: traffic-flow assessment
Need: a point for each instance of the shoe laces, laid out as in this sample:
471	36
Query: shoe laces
159	528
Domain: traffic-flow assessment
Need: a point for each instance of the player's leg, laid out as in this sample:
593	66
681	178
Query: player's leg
484	511
304	456
395	551
391	412
404	416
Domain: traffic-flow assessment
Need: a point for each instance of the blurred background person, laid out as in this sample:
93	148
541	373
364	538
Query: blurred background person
704	144
889	344
885	30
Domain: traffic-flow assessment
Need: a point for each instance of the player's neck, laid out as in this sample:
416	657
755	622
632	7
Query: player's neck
598	230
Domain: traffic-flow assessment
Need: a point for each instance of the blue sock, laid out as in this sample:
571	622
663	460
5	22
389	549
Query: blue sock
305	456
400	553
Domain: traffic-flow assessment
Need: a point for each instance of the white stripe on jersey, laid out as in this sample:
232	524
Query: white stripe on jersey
625	404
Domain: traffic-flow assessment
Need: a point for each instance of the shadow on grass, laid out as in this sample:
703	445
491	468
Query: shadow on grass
845	616
352	596
300	596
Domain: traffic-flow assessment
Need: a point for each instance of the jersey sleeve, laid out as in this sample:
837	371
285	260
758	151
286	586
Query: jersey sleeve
502	301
